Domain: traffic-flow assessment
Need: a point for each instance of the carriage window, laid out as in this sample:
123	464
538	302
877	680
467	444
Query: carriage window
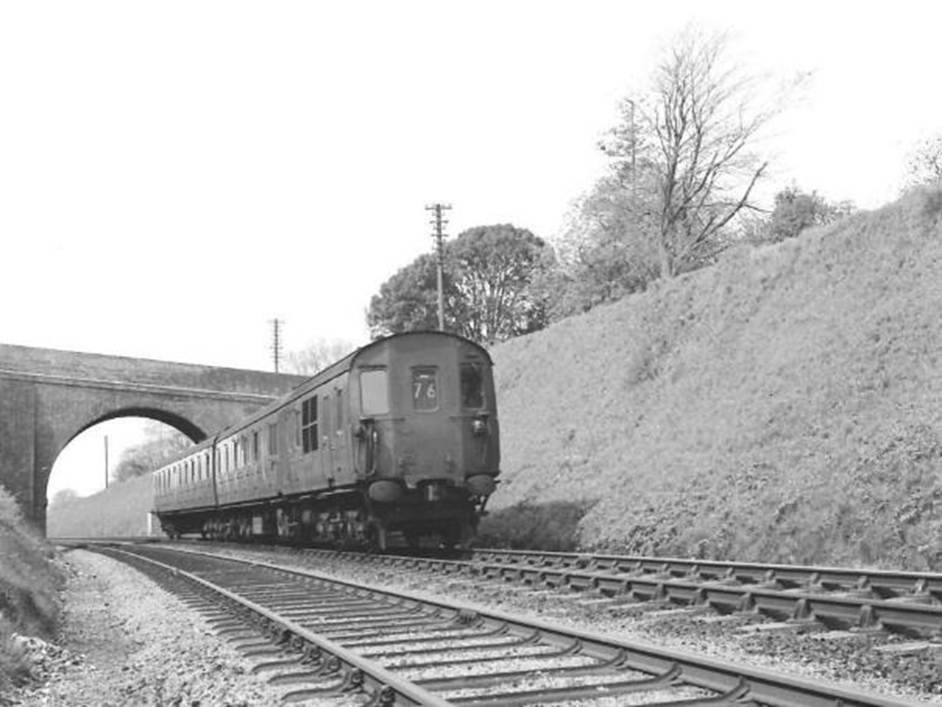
273	438
425	388
339	416
472	385
374	392
309	424
255	446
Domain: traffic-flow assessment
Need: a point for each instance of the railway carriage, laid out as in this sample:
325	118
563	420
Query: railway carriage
400	437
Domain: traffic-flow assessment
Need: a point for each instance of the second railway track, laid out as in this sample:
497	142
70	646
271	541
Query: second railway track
323	637
901	602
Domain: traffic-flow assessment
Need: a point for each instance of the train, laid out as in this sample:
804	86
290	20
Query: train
396	442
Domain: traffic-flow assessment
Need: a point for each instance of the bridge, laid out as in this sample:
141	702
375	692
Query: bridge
47	397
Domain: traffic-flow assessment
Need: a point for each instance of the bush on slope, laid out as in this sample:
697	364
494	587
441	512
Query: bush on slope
784	405
28	586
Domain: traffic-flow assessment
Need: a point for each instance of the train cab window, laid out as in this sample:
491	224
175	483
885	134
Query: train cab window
425	388
273	438
338	418
255	446
309	424
374	391
472	385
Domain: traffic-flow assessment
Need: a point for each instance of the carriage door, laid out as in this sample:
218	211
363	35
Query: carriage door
327	439
340	452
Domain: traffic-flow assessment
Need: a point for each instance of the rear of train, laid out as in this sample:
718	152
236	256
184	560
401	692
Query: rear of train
426	435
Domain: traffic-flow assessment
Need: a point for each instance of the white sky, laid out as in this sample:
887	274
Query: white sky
175	174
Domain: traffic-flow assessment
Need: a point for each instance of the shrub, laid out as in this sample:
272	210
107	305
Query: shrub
28	590
549	526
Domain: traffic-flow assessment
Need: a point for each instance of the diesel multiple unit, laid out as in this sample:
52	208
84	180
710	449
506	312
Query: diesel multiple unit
400	437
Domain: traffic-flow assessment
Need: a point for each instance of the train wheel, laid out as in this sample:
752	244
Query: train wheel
413	539
459	537
377	538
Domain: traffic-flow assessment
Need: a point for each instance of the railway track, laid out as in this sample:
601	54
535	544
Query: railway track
322	637
909	603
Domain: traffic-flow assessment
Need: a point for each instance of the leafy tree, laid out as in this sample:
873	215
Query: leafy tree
494	266
796	210
925	163
317	356
143	458
487	285
602	256
63	497
408	301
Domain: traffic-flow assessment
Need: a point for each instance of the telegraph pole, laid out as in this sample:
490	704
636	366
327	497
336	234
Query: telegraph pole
439	235
634	140
276	342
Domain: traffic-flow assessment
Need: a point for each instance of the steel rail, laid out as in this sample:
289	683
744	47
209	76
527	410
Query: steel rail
883	583
731	682
369	673
905	615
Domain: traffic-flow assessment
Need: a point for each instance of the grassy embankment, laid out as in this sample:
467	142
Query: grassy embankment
783	405
28	591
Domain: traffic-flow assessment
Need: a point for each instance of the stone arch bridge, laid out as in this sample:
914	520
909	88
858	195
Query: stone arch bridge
47	397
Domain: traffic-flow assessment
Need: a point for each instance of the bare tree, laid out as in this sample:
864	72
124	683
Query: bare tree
685	152
319	354
925	163
161	443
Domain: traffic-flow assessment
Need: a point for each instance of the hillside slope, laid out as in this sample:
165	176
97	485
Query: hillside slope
785	404
119	510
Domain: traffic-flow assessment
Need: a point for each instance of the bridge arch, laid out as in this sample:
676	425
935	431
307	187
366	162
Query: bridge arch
48	397
168	417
